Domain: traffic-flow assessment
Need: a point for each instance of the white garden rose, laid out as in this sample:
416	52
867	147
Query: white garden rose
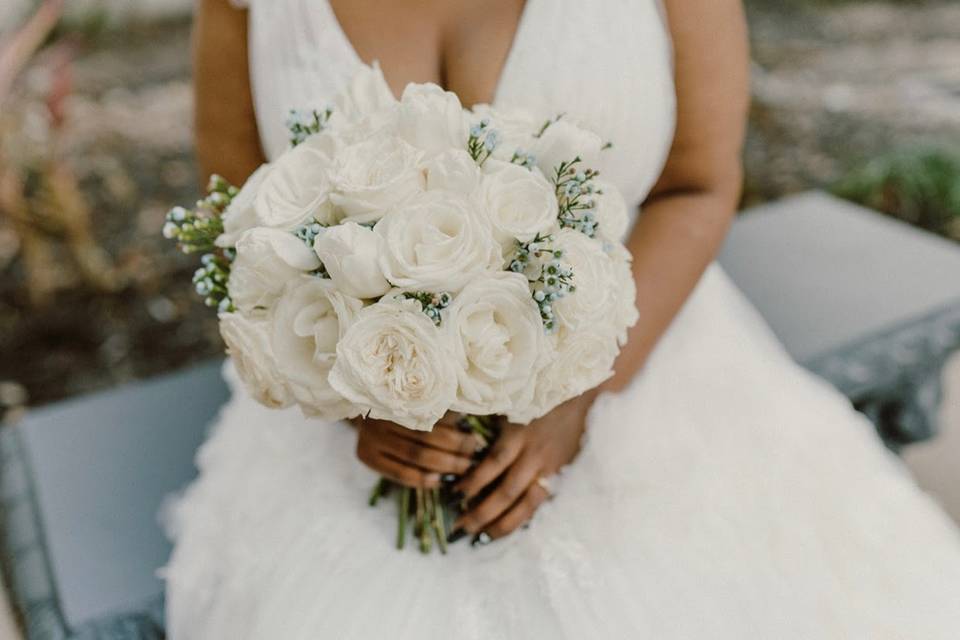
595	279
371	177
611	213
499	341
266	260
367	95
297	187
563	141
453	170
241	214
351	255
437	242
307	322
626	314
248	344
396	365
432	119
519	203
583	360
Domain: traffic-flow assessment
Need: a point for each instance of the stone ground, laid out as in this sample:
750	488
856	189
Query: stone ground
833	85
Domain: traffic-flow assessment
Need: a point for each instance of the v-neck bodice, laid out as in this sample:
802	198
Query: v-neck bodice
606	64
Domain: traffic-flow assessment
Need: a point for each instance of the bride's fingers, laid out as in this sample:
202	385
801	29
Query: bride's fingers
444	436
504	451
398	472
517	482
421	455
519	514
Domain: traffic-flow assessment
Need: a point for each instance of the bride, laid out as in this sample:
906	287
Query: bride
711	489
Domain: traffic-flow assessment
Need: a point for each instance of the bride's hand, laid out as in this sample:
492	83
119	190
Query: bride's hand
522	455
415	458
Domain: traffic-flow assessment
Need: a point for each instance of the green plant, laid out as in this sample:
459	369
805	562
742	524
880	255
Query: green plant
918	185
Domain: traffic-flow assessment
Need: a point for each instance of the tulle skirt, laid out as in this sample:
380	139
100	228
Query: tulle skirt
726	494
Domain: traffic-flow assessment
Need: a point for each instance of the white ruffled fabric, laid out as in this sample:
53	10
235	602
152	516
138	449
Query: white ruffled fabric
727	494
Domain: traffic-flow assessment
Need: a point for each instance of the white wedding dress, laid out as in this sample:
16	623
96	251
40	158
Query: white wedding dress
726	494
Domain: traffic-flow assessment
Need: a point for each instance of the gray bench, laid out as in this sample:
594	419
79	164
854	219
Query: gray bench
80	486
865	301
869	303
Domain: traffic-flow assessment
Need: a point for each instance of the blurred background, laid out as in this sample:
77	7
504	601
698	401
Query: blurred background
859	98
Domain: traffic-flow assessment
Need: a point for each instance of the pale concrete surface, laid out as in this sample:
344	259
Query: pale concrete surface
936	466
7	628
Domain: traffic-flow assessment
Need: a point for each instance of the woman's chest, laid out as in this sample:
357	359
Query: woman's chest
461	45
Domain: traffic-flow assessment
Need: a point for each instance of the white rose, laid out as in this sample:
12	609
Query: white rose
395	364
307	323
371	177
453	170
248	343
583	360
611	213
297	187
351	253
432	119
266	260
563	141
499	342
437	242
626	293
594	276
518	202
366	95
241	213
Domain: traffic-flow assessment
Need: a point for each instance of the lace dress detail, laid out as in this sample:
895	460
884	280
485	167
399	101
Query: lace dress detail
726	494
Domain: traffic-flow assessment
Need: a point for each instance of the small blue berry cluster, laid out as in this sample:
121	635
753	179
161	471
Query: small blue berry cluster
482	141
210	280
431	303
309	231
304	123
196	229
524	159
576	197
553	280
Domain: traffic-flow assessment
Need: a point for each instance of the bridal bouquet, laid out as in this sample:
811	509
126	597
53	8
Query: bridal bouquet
406	258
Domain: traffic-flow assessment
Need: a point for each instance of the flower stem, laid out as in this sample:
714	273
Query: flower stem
477	425
423	517
438	518
379	490
403	497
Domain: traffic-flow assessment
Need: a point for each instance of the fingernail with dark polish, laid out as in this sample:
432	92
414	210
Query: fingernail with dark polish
456	535
449	477
480	539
